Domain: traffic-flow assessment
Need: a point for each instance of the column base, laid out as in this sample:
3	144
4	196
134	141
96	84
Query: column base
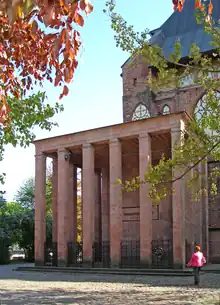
61	263
87	263
178	266
145	264
39	263
115	264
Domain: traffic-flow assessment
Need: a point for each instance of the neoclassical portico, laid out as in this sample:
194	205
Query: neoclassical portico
109	215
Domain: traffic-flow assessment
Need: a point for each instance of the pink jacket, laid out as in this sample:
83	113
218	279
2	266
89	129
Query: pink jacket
197	260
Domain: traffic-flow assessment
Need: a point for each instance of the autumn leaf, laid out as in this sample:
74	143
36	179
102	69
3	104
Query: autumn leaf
89	8
65	90
39	53
79	19
198	4
210	8
34	29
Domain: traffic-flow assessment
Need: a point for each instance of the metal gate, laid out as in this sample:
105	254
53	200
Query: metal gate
162	254
50	254
101	254
214	246
130	254
75	254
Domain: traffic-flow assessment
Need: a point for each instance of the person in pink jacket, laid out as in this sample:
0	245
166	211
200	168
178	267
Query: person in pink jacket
197	261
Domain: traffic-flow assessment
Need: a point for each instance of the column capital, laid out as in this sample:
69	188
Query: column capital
64	153
144	135
40	155
62	150
114	141
178	126
88	146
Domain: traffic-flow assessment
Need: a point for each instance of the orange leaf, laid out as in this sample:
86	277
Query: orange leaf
67	75
57	80
197	4
4	112
180	6
79	19
210	9
89	8
65	90
34	29
82	5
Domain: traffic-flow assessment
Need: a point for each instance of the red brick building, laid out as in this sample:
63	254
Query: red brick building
124	229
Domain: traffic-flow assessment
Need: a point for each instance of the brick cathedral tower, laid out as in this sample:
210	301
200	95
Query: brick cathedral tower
140	102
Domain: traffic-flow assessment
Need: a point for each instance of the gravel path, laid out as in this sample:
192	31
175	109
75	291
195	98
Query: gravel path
24	288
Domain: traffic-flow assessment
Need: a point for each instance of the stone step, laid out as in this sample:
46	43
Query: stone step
112	271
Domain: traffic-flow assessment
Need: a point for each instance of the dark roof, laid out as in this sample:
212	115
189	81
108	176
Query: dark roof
183	27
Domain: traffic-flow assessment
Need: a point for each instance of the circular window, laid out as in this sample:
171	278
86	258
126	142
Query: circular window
141	112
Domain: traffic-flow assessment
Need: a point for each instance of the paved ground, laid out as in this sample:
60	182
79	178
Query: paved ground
25	288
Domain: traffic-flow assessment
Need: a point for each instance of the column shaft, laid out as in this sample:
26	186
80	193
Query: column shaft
105	204
98	206
205	208
115	163
40	208
145	202
62	206
88	196
178	203
54	199
74	233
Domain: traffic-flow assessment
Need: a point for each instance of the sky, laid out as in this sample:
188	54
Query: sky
95	96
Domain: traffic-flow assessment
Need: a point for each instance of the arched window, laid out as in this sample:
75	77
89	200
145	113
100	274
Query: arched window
141	112
166	110
200	108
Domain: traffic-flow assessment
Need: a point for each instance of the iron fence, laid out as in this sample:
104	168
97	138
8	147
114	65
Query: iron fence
162	254
214	251
50	254
74	254
101	254
130	254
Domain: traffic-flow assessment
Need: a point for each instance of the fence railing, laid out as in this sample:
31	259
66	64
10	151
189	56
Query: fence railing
214	251
101	254
162	254
50	254
130	254
74	254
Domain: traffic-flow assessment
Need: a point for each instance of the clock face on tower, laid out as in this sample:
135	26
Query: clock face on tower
141	112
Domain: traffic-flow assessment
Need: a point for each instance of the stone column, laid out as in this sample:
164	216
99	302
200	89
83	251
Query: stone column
54	198
74	233
197	208
40	208
105	204
70	204
200	206
145	202
98	206
115	164
88	201
62	205
205	208
178	204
